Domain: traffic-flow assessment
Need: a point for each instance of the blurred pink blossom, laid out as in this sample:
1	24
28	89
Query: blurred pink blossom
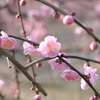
57	64
33	13
1	84
11	89
46	11
39	33
70	75
79	31
49	47
97	9
7	42
91	76
97	57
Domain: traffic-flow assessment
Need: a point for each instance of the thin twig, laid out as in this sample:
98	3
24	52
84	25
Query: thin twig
36	61
21	20
23	39
82	58
22	69
68	56
76	21
16	78
73	68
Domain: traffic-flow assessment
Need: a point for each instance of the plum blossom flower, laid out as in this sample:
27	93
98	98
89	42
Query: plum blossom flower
49	47
57	64
29	49
91	76
70	75
7	42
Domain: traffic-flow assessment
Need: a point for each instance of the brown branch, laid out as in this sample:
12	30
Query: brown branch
76	21
73	68
21	20
22	69
16	78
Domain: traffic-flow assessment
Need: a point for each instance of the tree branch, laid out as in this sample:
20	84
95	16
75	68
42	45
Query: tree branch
73	68
82	58
76	21
22	69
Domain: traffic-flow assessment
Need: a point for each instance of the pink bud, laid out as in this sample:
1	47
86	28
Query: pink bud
9	66
91	29
56	15
17	16
86	64
37	97
32	88
39	65
94	46
73	13
22	2
68	19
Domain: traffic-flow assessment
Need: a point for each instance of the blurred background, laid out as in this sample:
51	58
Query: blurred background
39	22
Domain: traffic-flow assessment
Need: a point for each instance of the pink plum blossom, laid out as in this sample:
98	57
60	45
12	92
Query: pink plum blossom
79	31
1	84
57	64
37	97
70	75
7	42
92	77
49	47
29	49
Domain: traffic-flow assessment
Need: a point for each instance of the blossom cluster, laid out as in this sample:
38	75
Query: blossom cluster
48	48
51	48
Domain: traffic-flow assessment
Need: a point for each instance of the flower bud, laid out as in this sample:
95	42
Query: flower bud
73	13
91	29
56	15
68	19
32	88
17	16
22	2
39	65
86	64
37	97
94	46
